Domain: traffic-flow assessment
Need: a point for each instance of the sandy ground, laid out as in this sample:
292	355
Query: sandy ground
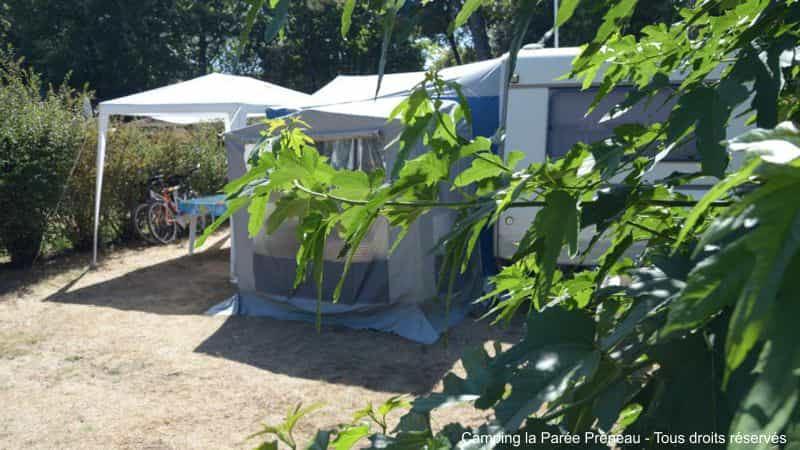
122	357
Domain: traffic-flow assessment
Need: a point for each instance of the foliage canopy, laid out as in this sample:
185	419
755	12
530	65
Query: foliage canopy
699	336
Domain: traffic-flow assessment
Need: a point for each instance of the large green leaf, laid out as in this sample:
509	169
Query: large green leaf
257	211
347	438
565	11
771	401
353	185
556	355
651	291
321	441
777	145
279	17
390	10
556	224
768	229
488	166
347	16
470	6
523	16
249	22
712	285
480	382
614	18
715	193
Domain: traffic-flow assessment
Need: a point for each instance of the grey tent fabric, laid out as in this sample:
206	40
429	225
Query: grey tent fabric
398	292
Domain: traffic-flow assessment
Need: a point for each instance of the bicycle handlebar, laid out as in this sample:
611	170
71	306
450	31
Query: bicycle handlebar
159	179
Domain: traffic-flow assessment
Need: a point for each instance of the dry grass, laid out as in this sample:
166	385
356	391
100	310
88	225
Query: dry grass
122	357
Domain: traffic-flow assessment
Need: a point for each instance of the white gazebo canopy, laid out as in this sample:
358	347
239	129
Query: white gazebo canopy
214	97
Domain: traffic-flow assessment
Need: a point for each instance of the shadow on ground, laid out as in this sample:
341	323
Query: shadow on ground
374	360
15	279
189	284
377	361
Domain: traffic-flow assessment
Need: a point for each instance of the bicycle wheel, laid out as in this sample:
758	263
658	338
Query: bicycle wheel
163	227
141	223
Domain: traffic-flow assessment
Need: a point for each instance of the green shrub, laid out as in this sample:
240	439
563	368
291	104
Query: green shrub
134	154
40	130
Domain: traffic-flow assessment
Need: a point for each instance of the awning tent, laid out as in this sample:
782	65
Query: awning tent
214	97
396	291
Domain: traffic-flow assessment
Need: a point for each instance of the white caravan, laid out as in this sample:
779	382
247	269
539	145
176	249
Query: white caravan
546	116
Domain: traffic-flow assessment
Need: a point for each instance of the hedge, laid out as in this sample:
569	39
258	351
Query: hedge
47	154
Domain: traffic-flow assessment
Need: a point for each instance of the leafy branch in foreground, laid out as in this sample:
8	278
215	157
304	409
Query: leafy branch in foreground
684	324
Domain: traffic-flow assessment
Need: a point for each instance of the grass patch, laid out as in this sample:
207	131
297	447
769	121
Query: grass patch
15	345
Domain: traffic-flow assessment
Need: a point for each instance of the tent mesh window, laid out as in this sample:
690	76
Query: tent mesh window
569	124
362	153
368	278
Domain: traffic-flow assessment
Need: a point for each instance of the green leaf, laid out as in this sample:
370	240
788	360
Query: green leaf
710	133
321	441
408	139
614	18
348	437
249	22
470	6
556	356
715	193
347	16
556	224
354	185
479	383
651	290
479	144
233	206
389	18
521	21
286	207
395	402
565	11
481	168
627	417
778	145
768	227
257	211
619	245
513	158
711	285
773	397
268	446
279	17
428	169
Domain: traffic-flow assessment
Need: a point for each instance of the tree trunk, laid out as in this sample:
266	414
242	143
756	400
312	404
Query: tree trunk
477	27
454	47
202	57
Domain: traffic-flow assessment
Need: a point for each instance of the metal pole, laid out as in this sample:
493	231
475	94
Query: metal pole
555	22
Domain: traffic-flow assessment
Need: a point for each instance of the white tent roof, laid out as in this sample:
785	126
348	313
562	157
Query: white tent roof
477	79
210	97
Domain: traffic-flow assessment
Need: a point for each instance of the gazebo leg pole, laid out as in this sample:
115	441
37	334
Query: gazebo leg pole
192	232
233	278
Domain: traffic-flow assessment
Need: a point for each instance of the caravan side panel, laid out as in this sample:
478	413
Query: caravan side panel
526	127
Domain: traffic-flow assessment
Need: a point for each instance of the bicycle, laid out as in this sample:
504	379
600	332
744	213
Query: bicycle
158	219
139	214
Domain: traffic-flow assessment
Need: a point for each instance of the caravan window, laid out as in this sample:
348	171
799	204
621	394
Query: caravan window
352	153
568	125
